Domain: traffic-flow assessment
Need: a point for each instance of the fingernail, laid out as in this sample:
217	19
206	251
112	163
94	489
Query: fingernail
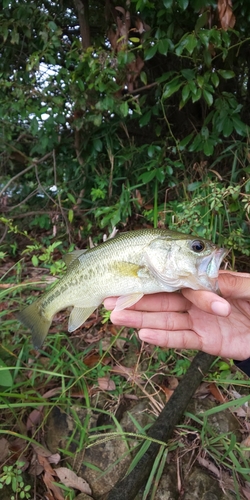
118	318
145	336
220	308
110	303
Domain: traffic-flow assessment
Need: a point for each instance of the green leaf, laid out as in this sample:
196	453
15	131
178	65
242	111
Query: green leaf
60	118
185	93
147	176
204	133
134	39
150	52
200	81
160	175
208	97
171	88
5	376
124	108
167	3
189	74
239	126
169	170
97	143
191	43
163	46
207	57
144	120
151	151
97	120
34	125
71	198
208	148
215	79
204	37
226	73
52	26
4	32
143	77
227	127
183	4
193	186
185	141
196	145
14	37
196	96
201	21
181	46
70	215
34	260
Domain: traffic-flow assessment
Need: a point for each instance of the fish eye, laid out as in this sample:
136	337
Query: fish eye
197	246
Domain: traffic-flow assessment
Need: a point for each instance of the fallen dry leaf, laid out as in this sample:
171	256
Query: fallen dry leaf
106	384
70	479
168	392
172	382
246	444
91	360
128	373
246	492
35	468
216	393
4	449
54	459
41	450
208	464
34	418
49	481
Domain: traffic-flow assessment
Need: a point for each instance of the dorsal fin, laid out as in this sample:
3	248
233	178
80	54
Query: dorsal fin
68	258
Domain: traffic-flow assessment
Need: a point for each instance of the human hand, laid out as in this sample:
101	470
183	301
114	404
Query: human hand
195	319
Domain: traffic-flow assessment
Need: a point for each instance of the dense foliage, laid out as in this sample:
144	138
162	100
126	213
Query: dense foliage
125	113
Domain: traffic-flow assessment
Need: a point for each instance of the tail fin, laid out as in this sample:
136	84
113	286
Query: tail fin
39	325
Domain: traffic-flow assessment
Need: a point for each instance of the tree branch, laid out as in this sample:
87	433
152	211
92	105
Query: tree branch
82	7
33	164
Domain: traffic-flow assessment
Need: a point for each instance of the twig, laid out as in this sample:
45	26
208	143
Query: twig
33	164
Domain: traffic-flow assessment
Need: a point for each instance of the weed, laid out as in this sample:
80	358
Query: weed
12	476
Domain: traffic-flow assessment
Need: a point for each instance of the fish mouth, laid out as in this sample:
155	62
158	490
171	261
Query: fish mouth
210	265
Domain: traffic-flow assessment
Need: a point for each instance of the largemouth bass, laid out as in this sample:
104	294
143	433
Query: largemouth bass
128	266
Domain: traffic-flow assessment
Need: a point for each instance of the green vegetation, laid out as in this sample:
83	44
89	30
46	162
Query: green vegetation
127	114
141	120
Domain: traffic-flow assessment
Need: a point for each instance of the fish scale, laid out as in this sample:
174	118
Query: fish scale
128	266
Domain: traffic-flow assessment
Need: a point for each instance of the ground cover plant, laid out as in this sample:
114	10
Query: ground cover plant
128	114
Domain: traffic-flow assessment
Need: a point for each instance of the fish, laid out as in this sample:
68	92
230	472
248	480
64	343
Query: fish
128	266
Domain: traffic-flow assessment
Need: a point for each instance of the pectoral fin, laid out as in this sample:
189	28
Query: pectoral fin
126	301
78	316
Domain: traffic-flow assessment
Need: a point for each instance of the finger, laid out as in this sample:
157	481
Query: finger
184	339
235	285
110	303
208	301
161	320
155	302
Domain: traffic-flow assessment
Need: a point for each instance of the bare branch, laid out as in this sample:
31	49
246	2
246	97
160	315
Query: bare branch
33	164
